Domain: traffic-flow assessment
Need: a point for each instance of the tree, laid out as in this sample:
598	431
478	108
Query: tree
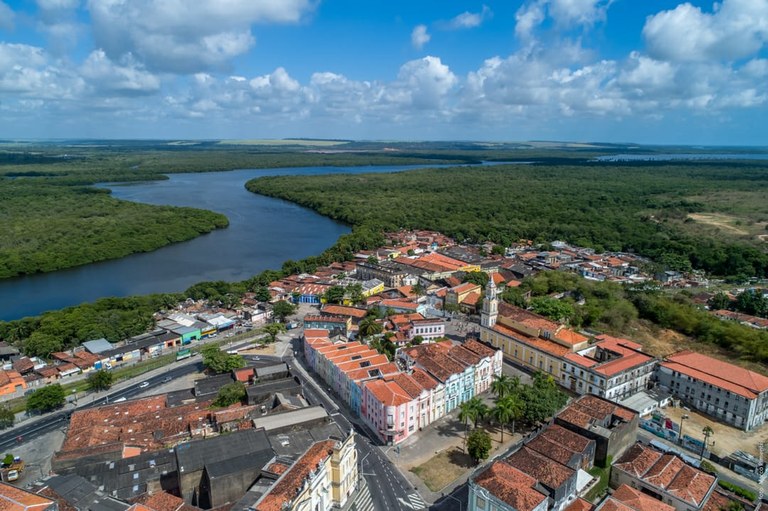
708	432
556	310
418	289
230	394
335	294
262	294
273	329
477	277
479	445
481	409
219	361
100	380
369	327
719	302
282	310
466	413
503	385
46	399
498	250
417	340
541	399
372	259
507	409
7	417
384	346
355	292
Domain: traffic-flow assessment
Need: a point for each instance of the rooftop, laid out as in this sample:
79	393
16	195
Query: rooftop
16	499
547	471
289	484
511	486
718	373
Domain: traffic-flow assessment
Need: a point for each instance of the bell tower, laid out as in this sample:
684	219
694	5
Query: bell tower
490	305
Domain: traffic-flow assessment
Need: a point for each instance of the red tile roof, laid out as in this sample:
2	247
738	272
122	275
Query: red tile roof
289	484
638	500
579	505
547	471
543	345
388	393
424	379
718	373
511	486
479	348
342	310
16	499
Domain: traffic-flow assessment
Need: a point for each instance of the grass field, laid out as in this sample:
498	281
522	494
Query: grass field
443	468
284	142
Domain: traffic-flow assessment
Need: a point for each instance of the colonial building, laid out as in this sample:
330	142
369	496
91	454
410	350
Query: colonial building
730	393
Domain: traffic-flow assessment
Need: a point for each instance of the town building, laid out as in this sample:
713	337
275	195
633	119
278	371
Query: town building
626	498
725	391
663	476
612	368
504	488
391	274
16	499
613	427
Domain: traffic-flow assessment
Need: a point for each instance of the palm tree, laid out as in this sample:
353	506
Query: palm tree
502	413
466	412
504	385
708	432
517	406
369	326
482	410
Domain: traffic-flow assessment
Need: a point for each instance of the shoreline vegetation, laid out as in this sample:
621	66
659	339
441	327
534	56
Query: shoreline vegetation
501	203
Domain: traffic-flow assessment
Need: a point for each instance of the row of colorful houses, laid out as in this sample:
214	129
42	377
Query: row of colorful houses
396	399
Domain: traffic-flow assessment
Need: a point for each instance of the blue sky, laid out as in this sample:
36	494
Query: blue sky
646	71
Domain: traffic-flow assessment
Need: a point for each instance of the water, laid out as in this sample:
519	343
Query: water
682	157
262	234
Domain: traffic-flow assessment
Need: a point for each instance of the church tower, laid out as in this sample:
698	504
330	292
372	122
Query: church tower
490	305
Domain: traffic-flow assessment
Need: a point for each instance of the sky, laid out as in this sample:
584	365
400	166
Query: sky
642	71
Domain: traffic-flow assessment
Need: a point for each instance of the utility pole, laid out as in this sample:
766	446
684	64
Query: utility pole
683	418
708	431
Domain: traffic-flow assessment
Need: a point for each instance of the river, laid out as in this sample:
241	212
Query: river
262	234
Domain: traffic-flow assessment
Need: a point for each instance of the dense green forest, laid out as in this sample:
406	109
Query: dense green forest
51	218
640	208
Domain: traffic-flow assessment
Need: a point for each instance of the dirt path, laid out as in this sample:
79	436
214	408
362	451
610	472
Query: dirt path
717	220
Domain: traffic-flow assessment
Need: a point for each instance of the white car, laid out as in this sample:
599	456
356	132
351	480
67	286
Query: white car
144	385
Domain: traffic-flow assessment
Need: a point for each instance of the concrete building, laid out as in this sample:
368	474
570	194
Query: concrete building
612	427
391	274
612	368
663	476
322	478
502	487
725	391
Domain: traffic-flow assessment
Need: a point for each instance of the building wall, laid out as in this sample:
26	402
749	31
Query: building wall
523	354
480	499
342	468
739	411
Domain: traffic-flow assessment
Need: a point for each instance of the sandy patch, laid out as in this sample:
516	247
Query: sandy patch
718	220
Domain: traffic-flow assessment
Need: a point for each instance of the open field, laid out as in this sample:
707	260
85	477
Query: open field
285	142
443	468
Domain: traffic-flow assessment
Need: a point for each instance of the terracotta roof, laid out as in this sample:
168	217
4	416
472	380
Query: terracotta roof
466	287
424	379
277	468
527	318
23	364
543	345
552	450
566	438
319	318
479	348
638	500
315	332
408	384
579	505
511	486
667	472
547	471
343	310
588	407
570	337
16	499
471	299
718	373
289	484
388	393
399	304
162	501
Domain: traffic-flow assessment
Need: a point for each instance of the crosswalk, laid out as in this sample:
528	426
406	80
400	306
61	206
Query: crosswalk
363	501
413	501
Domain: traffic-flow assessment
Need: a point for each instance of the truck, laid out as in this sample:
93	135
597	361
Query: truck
10	472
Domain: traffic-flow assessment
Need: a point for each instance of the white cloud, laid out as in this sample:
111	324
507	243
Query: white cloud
578	12
420	36
734	30
185	37
527	18
127	78
423	83
6	16
52	5
470	19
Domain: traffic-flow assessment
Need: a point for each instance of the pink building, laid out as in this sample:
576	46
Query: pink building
389	410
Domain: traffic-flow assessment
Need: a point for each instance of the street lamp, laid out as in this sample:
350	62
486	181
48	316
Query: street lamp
682	418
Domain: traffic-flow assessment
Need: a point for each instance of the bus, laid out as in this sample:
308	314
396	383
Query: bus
182	354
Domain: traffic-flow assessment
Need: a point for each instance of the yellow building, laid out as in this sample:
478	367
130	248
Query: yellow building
526	338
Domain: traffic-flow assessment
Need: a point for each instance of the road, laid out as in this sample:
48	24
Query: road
50	421
388	488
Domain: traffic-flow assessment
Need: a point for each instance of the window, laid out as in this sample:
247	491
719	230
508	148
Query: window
480	502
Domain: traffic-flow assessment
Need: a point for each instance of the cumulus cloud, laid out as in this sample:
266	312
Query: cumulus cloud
126	78
470	19
563	13
420	36
734	30
6	16
423	83
184	37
